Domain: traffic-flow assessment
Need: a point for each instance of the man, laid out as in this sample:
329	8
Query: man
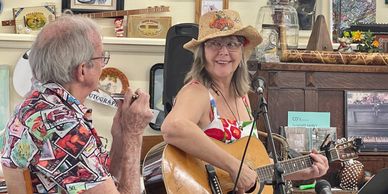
51	134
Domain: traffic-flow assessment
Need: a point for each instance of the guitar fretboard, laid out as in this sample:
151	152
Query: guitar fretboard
292	165
107	14
156	9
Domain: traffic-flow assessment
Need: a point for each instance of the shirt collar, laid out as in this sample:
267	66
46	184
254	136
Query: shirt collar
67	98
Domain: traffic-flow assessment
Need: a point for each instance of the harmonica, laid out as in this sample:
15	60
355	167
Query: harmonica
119	96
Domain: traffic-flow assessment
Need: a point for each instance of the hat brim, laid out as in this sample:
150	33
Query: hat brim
249	32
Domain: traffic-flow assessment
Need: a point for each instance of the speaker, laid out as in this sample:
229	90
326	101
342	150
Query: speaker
177	60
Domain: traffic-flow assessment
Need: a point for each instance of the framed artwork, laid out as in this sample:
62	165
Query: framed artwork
346	13
87	6
203	6
156	94
367	118
148	26
4	91
30	20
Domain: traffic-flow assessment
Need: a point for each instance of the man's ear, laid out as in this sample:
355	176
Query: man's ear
79	72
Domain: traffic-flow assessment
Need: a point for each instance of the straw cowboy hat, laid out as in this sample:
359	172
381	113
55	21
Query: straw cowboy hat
225	23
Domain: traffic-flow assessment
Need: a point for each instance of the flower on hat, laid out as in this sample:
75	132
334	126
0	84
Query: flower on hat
221	22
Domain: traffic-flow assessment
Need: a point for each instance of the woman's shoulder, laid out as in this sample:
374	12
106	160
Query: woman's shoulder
194	86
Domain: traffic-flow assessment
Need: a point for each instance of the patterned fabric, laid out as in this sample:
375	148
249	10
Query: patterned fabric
52	135
227	130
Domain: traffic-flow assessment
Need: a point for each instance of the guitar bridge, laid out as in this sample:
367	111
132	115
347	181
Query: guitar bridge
213	179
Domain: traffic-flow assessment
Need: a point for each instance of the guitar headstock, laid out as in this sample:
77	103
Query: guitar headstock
347	149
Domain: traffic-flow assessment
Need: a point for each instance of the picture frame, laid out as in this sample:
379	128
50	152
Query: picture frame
345	13
203	6
156	93
89	6
148	26
367	118
30	20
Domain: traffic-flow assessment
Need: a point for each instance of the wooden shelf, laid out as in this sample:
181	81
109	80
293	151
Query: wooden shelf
320	67
145	45
373	154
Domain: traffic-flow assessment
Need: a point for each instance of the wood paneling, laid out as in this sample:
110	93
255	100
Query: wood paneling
319	88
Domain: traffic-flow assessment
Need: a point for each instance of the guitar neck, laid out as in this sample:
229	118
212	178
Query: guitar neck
108	14
292	165
121	13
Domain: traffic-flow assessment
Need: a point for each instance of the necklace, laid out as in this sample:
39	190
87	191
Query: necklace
216	90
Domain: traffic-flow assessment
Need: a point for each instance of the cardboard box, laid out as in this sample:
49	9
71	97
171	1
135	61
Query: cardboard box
148	26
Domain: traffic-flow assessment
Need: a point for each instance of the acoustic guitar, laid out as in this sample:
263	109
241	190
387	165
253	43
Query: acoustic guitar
167	169
108	14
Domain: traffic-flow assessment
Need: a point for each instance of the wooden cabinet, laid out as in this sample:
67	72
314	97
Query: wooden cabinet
318	88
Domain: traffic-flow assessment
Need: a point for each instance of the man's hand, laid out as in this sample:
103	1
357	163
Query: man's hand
135	112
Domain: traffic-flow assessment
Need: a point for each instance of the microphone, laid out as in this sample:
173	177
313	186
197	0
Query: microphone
323	187
258	84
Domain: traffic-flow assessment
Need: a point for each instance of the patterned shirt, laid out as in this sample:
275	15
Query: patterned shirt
227	130
52	135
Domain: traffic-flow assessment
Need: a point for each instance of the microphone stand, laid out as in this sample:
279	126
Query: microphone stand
278	179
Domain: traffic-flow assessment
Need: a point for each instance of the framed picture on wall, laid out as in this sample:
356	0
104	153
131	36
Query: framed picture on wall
347	13
204	6
30	20
367	118
87	6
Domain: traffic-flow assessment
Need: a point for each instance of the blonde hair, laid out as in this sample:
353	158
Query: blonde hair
240	80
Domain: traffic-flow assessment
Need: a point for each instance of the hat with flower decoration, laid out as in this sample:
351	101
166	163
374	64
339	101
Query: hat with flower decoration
222	23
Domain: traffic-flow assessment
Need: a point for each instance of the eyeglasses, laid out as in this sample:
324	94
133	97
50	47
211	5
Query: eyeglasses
105	56
232	46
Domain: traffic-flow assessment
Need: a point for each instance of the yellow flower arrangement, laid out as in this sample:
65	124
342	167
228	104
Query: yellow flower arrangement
367	42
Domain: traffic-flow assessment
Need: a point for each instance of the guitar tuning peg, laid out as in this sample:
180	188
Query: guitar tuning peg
326	143
358	142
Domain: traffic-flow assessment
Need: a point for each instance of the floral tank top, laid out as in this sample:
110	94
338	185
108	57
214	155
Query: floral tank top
227	130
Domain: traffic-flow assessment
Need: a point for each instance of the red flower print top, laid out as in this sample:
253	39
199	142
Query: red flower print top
227	130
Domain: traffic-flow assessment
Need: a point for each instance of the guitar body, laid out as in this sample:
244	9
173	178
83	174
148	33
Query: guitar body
183	173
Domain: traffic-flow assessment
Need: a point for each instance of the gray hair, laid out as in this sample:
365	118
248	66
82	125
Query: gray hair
240	79
61	46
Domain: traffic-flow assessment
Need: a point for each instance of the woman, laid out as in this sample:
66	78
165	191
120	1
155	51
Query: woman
214	101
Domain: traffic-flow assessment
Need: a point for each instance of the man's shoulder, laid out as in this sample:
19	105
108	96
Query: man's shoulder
43	105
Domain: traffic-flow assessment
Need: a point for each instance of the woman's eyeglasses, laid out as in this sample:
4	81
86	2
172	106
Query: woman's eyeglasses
232	46
105	56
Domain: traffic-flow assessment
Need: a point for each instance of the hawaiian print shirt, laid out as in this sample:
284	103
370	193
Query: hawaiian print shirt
227	130
52	135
